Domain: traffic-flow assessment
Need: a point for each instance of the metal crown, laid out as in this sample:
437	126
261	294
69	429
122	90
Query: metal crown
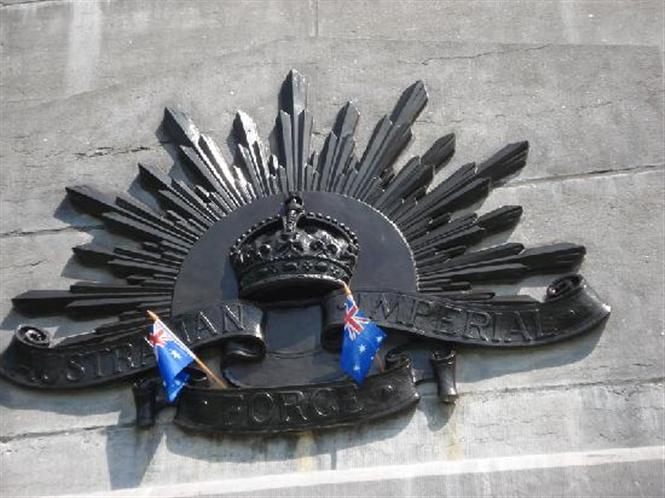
294	250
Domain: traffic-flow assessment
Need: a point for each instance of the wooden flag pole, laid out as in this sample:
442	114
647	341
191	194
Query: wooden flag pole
379	361
377	357
222	384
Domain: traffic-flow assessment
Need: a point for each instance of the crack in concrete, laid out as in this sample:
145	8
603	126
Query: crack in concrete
60	432
574	109
25	265
639	169
426	62
28	2
111	151
50	231
609	383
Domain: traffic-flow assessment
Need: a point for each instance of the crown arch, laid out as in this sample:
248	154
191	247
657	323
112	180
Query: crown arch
384	260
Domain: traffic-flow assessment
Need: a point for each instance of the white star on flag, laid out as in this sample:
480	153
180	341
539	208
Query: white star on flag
379	339
362	348
356	368
175	354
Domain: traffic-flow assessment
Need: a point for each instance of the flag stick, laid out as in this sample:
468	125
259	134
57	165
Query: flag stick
347	289
208	372
379	362
218	381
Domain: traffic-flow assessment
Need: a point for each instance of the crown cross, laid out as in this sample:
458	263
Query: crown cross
294	210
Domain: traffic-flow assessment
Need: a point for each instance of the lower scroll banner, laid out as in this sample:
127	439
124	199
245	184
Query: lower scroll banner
299	408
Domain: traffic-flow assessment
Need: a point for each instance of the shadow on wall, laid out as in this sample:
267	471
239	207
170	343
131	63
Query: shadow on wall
130	451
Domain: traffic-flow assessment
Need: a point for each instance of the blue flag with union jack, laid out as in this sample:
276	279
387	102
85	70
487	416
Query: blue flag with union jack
362	339
173	356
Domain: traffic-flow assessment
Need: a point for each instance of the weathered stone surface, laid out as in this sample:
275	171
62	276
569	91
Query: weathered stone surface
605	114
44	261
619	22
523	423
620	220
55	50
629	479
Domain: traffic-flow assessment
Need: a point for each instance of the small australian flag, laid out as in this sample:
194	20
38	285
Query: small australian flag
173	356
362	339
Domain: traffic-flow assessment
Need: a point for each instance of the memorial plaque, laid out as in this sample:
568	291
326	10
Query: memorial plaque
248	260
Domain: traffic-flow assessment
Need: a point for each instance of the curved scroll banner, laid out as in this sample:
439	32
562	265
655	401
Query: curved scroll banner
298	408
33	360
570	308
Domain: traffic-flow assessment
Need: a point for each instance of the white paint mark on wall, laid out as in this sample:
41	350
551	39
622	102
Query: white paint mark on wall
83	45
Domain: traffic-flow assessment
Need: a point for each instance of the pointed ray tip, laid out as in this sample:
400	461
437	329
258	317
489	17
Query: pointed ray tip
243	119
171	111
295	75
179	126
77	188
350	105
419	86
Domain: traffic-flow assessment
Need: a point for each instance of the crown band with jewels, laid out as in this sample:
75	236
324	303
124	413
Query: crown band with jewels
292	250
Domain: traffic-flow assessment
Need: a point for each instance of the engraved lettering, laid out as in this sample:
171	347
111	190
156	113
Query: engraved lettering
292	402
47	378
496	328
421	309
26	371
234	406
477	323
29	369
235	319
386	307
51	363
203	323
324	403
183	329
540	333
146	353
261	407
124	354
446	320
348	399
98	361
75	370
404	309
517	326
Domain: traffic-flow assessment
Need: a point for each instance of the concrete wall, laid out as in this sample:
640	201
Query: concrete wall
83	87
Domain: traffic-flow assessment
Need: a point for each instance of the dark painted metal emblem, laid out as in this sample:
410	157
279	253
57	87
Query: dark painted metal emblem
247	260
